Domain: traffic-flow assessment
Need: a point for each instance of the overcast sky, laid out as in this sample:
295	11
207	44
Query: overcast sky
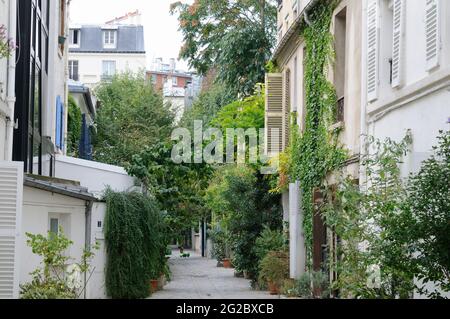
162	38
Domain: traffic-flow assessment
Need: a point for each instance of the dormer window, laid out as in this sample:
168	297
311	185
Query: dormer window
74	38
109	39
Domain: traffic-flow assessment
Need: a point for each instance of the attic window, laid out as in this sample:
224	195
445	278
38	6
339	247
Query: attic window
74	36
109	39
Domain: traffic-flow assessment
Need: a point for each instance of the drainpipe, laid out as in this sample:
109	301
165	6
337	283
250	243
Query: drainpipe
87	237
11	94
363	120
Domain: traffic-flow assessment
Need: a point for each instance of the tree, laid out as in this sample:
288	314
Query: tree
235	37
206	106
425	223
132	116
179	188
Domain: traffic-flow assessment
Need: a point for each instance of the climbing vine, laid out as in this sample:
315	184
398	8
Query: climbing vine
315	151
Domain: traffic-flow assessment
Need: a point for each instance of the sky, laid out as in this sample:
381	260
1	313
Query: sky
162	37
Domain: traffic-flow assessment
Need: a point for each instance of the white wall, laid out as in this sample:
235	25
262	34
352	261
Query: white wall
38	206
96	285
90	64
95	176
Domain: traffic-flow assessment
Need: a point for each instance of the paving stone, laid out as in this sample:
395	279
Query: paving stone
200	278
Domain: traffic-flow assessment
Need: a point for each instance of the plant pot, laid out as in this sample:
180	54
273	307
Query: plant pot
274	289
227	263
61	40
154	285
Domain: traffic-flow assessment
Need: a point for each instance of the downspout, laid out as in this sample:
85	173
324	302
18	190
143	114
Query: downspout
11	91
87	237
363	120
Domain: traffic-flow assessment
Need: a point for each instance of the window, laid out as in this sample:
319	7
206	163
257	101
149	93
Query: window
74	37
73	70
29	145
109	69
54	226
174	81
340	36
109	39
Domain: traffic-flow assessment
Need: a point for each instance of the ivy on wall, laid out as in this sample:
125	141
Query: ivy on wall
315	151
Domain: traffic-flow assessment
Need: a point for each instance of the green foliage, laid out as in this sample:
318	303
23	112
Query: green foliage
73	127
132	116
374	261
53	281
424	224
234	37
248	113
270	240
7	46
206	106
274	267
179	188
136	243
316	152
239	197
313	280
219	243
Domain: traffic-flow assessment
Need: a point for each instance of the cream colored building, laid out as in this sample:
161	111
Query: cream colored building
98	52
285	95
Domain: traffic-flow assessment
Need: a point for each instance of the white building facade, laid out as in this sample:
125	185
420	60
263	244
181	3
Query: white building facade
98	53
407	74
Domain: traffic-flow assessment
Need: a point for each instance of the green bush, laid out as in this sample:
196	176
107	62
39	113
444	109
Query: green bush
53	280
274	267
135	244
270	240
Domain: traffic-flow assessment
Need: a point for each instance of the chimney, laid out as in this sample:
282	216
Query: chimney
173	65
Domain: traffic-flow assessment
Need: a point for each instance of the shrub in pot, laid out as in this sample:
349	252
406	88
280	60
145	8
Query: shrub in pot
274	269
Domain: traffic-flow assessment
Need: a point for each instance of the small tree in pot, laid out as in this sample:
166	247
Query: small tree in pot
274	269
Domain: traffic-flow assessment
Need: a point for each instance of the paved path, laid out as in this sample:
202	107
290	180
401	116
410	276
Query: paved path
199	278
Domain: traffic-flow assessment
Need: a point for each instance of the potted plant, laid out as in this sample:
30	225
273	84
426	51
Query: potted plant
227	263
274	269
154	285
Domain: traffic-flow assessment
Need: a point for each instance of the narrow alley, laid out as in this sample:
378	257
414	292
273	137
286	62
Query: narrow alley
199	278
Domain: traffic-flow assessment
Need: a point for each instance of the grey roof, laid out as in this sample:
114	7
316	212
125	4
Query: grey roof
130	39
59	186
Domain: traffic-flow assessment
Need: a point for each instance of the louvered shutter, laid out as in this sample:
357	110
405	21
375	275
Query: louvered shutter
432	33
274	113
372	50
397	43
11	189
286	109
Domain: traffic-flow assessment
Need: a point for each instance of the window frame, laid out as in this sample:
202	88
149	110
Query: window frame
108	44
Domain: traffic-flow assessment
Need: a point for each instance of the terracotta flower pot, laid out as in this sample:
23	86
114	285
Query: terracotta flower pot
227	263
273	288
154	285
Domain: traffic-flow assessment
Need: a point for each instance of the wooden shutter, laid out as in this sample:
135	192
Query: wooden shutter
274	113
432	33
286	109
372	50
397	43
11	188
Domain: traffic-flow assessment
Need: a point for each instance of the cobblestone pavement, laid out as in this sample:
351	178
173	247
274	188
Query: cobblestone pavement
200	278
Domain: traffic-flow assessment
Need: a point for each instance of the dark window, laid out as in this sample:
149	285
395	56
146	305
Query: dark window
73	70
32	39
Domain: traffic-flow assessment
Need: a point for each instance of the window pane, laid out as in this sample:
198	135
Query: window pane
54	226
